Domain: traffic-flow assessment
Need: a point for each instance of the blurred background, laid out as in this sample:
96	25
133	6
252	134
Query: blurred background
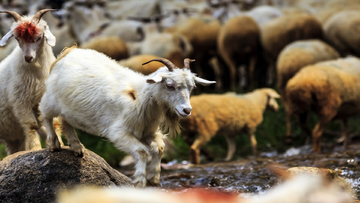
238	43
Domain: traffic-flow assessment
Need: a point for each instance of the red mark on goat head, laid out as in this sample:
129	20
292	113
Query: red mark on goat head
26	31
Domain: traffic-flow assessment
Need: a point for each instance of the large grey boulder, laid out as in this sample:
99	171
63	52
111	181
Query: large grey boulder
37	176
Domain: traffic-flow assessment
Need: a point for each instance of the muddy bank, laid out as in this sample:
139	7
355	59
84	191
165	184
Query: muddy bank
251	176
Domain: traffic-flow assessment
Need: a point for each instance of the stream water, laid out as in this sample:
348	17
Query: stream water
251	176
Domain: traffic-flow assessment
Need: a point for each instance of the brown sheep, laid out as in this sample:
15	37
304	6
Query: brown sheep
278	33
238	42
112	46
204	45
335	6
293	58
331	89
342	32
228	115
135	63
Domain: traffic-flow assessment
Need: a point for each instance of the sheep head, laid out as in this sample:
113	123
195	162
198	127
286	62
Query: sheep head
272	95
29	32
176	85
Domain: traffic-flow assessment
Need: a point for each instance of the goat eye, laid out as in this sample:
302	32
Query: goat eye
38	39
170	87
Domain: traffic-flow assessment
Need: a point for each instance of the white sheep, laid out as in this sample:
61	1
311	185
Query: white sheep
22	80
93	93
226	115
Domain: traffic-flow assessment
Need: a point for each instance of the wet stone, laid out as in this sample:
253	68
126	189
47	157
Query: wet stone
37	176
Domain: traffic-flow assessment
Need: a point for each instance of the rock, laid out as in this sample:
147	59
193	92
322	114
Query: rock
37	176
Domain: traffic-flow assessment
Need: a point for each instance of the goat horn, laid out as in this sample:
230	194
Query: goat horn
166	62
15	15
40	13
187	62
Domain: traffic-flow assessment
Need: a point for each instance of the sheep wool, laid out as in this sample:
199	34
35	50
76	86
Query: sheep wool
226	114
112	46
329	88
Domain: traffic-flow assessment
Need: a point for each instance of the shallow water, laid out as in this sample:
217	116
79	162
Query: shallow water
251	176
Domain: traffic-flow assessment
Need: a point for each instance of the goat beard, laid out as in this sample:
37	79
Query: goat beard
170	123
37	64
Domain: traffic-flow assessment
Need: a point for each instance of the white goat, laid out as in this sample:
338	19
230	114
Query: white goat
93	93
22	81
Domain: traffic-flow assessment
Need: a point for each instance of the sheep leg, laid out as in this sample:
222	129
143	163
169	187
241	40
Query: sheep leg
253	143
252	64
52	140
319	129
74	142
288	123
242	76
214	62
153	169
195	148
302	121
344	125
232	68
231	147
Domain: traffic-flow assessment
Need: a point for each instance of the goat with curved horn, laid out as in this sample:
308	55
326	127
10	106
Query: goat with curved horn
164	61
17	17
187	62
40	13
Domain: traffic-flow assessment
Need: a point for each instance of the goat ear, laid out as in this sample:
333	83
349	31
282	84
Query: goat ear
203	81
157	78
50	38
4	40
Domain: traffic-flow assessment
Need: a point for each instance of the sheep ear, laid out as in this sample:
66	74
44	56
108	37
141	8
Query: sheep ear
203	81
4	40
157	78
50	38
273	94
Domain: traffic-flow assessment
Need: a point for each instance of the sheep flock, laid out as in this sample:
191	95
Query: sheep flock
85	64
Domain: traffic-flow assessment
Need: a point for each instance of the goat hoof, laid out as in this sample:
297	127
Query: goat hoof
78	150
78	154
153	179
152	183
139	182
36	148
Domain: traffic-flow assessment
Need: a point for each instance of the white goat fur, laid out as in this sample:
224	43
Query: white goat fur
93	93
22	85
